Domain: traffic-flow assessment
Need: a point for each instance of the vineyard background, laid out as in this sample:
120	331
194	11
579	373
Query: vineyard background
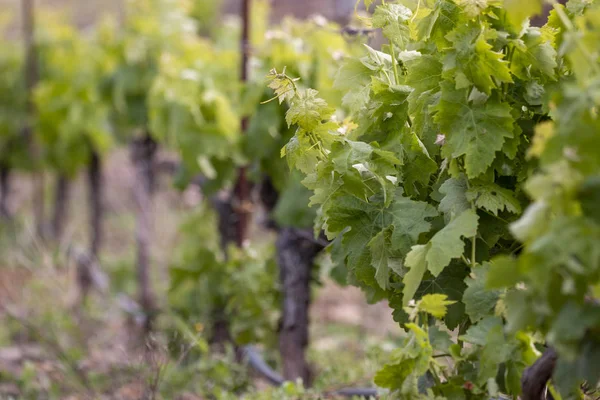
86	12
187	190
45	337
345	330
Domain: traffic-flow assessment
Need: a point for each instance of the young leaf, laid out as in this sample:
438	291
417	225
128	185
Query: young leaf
519	10
474	61
307	110
393	18
434	304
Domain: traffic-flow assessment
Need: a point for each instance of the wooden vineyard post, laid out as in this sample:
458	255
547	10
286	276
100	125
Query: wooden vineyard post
242	187
31	78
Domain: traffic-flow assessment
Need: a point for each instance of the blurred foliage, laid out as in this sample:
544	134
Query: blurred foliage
172	70
12	102
197	103
239	286
12	106
72	120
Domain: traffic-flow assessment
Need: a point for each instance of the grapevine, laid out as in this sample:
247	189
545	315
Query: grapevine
464	118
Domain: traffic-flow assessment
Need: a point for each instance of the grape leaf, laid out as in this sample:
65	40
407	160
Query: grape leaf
440	340
353	78
447	243
472	8
493	198
451	283
418	166
479	302
417	262
503	273
478	333
301	153
393	18
410	219
371	238
439	22
380	252
476	131
474	61
307	110
438	252
533	55
407	363
519	10
434	304
455	199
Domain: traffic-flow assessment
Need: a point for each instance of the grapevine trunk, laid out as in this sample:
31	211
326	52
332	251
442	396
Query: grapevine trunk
295	254
95	202
143	150
61	204
4	191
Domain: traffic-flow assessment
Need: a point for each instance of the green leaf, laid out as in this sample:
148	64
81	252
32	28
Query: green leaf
407	363
518	10
519	312
410	219
475	131
503	273
393	19
424	74
571	325
301	153
307	110
455	200
446	15
479	301
473	60
438	252
493	198
377	233
533	56
532	223
451	283
473	8
418	166
440	340
478	333
434	304
589	197
380	254
417	262
354	78
284	88
496	351
447	243
292	205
